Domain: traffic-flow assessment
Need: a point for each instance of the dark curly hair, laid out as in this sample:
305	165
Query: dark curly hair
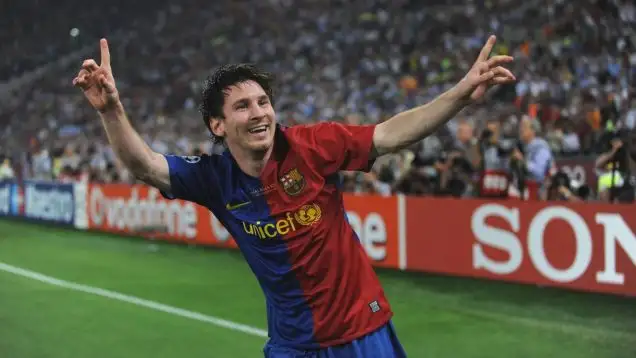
217	85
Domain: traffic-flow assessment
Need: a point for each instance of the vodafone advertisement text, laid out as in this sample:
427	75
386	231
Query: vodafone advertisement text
141	210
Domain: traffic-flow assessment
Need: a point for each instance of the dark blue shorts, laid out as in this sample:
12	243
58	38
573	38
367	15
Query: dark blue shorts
382	343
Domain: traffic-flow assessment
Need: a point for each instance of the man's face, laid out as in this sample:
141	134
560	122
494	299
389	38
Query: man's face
250	121
464	132
525	131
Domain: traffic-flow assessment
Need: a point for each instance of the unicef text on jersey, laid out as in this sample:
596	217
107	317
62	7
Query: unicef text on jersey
49	202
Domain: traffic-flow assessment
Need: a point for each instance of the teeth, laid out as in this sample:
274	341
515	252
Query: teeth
255	129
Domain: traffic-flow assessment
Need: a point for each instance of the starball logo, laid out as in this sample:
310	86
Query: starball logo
307	215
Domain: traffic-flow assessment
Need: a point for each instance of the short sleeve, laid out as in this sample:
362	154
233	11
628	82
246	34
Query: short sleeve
332	147
193	178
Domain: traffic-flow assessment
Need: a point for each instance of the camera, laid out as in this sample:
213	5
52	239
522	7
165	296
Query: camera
504	147
561	180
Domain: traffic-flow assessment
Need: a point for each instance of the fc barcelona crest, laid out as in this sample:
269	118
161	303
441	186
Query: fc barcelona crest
293	182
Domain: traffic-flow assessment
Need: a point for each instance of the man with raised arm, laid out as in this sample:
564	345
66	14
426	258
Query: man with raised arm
276	190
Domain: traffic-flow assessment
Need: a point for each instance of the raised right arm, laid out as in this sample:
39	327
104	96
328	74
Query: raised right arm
144	163
98	85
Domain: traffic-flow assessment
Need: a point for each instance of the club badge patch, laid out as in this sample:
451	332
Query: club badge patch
293	182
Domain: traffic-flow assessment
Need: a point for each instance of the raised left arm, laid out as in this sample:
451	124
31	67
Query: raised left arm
409	127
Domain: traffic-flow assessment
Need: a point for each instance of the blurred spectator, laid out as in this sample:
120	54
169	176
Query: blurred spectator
536	155
617	181
575	61
494	165
6	171
608	180
41	164
365	183
531	165
560	187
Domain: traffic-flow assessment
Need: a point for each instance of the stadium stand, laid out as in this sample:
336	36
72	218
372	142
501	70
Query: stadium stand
575	61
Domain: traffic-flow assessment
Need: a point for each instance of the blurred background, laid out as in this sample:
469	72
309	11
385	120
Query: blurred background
368	60
566	131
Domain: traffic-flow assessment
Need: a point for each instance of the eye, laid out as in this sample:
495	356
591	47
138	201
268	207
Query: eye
241	106
263	102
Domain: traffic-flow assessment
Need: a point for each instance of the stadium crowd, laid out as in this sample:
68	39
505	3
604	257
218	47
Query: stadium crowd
575	95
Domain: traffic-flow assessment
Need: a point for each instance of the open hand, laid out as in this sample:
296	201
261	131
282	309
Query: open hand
97	82
485	73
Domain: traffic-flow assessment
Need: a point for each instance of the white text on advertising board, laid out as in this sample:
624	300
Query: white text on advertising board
134	212
616	235
48	204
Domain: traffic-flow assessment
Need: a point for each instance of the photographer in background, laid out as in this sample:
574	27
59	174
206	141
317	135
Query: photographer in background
618	183
494	162
532	165
561	188
454	173
457	166
364	183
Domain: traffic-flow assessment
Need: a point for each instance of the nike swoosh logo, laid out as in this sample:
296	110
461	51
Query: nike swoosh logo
231	207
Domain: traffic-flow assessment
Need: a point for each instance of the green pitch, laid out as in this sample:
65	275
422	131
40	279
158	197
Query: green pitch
436	316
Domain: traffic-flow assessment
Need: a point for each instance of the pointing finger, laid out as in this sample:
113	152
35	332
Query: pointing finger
487	49
105	52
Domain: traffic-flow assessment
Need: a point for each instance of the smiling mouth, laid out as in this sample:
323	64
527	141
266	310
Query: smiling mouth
258	129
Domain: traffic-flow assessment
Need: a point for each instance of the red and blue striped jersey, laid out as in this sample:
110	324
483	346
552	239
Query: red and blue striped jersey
290	225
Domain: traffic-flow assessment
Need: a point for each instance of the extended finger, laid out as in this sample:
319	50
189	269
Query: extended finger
499	60
501	80
501	72
90	65
487	49
105	53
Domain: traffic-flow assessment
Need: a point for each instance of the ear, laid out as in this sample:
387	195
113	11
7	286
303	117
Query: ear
217	125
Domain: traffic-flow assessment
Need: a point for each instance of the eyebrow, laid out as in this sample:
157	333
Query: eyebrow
245	99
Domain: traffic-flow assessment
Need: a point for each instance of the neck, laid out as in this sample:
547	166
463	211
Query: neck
251	163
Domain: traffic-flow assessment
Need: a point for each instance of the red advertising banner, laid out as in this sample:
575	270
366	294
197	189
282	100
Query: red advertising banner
585	247
141	210
375	220
590	247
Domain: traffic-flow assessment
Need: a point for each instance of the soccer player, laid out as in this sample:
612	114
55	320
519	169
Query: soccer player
276	190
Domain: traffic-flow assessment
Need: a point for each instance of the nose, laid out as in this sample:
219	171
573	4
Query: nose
256	111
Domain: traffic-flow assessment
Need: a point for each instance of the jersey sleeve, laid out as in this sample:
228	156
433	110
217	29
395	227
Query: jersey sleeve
332	147
193	178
